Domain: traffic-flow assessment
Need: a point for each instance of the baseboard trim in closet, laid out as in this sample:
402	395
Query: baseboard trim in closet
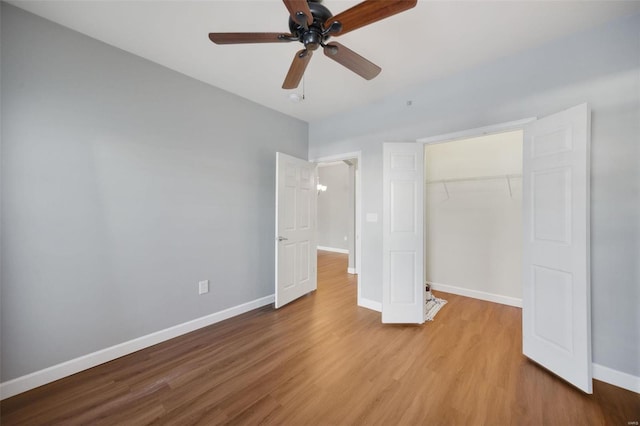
333	249
370	304
477	294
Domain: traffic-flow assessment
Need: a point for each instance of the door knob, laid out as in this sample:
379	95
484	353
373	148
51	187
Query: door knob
282	238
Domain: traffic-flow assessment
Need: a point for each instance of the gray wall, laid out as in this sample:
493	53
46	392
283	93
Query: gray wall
601	67
123	185
333	206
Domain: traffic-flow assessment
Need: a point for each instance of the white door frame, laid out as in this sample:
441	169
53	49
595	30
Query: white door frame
478	131
469	134
358	207
474	133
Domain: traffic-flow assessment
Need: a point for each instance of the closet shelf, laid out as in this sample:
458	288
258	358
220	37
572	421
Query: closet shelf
444	182
475	178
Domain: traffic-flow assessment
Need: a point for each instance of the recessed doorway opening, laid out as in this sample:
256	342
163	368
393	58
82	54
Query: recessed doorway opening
473	216
339	205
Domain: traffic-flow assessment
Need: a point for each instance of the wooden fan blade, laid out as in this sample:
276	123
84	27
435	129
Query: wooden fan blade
296	70
368	12
299	11
239	38
350	59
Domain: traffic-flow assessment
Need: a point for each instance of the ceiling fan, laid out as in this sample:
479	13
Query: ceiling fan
312	24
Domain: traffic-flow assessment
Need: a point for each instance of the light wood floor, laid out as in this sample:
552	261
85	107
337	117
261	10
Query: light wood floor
323	360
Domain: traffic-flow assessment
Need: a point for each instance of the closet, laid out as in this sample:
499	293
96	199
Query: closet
473	217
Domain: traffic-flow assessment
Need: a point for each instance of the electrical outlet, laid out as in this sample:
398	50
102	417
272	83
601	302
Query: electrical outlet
203	287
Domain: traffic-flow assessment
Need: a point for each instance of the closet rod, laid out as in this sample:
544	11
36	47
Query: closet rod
477	178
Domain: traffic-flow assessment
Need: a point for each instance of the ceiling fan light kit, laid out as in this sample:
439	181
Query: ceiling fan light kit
312	24
295	97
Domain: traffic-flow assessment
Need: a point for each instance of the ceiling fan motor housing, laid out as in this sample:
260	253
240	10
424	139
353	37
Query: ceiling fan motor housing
313	36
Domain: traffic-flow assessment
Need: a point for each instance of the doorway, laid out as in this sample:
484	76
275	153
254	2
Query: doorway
349	178
473	216
336	208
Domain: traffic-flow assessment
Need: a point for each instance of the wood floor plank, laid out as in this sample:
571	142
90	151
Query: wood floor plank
323	360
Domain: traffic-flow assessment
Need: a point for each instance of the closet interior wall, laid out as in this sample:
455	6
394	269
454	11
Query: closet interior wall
473	215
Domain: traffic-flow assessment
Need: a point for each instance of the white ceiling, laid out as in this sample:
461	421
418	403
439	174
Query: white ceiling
434	39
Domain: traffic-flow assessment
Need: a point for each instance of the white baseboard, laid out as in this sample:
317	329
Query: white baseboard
370	304
616	378
351	271
477	294
56	372
333	249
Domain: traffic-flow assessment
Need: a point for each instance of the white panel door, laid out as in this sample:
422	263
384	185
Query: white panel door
296	197
403	297
556	311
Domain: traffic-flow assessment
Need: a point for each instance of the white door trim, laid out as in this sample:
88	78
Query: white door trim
473	133
478	131
358	208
